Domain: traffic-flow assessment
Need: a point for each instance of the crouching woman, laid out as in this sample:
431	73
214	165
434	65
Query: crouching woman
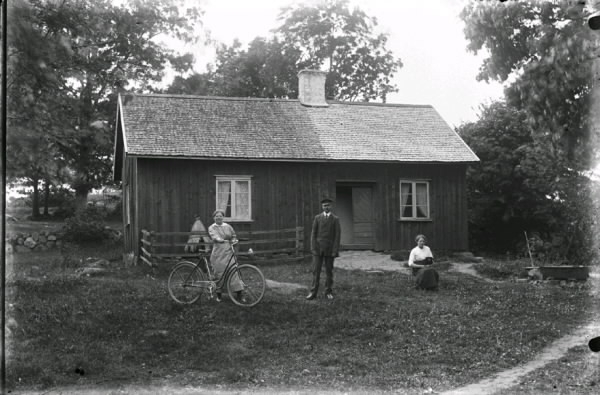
420	260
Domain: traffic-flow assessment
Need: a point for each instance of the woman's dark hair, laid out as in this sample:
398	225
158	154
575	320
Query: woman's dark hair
218	211
419	236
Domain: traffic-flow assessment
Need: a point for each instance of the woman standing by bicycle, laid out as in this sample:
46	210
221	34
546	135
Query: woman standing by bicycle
223	236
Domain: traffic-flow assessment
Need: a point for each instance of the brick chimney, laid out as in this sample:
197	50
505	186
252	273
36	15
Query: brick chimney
311	88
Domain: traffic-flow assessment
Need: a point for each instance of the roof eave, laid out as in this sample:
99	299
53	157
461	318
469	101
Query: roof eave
316	160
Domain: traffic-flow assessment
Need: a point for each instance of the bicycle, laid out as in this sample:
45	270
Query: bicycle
188	281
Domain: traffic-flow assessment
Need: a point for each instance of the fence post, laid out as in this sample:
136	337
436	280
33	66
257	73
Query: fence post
151	249
141	245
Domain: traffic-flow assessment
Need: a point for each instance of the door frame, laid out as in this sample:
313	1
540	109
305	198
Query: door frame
371	184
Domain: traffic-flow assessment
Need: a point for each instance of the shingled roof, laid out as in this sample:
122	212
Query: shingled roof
272	129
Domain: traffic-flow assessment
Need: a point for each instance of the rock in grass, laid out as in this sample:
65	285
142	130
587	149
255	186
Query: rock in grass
535	274
29	242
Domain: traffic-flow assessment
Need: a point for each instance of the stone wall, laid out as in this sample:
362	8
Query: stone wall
33	241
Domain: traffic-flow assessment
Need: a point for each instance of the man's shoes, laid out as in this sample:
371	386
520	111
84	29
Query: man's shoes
311	296
218	298
330	296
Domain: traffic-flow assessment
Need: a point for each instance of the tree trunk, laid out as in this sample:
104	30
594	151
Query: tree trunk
81	195
46	197
35	200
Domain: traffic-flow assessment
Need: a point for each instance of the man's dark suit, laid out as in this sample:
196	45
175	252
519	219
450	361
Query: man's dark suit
325	246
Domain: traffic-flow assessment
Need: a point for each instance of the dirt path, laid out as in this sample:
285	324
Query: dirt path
368	261
284	288
467	268
510	377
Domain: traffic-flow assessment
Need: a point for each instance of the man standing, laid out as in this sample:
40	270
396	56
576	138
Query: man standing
324	246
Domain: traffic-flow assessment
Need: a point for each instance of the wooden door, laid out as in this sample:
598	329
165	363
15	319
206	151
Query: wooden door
362	217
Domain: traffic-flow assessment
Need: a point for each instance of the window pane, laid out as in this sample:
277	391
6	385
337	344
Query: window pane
224	197
241	201
422	200
405	193
406	199
241	187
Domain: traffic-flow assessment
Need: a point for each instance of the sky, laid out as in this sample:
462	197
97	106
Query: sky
426	35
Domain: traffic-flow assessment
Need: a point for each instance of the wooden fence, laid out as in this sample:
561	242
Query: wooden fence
266	245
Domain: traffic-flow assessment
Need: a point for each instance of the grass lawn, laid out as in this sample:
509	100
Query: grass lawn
379	334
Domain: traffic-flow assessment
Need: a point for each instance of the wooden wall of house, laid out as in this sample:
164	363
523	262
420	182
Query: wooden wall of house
171	191
130	237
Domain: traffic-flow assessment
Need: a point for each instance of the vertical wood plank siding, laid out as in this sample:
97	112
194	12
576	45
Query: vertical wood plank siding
170	191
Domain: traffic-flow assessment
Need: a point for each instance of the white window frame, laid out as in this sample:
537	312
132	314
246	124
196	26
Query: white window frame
414	200
232	179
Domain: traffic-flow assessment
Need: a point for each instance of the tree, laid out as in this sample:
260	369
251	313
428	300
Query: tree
71	58
543	52
266	69
342	40
519	187
31	160
326	35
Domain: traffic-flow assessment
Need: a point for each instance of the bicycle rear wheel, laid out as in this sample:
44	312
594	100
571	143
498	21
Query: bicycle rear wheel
185	283
253	282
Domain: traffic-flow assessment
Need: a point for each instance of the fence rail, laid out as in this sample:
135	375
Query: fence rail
282	245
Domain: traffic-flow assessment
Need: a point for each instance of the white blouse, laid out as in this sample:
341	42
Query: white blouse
419	254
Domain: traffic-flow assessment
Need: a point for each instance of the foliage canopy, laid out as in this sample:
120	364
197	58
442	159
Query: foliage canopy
537	148
67	62
327	35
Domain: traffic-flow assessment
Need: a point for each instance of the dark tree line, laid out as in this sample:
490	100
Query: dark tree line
537	148
67	61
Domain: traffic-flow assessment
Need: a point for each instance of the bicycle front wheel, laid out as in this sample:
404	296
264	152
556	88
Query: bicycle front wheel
186	283
253	283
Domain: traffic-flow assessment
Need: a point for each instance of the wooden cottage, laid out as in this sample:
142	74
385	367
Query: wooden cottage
393	170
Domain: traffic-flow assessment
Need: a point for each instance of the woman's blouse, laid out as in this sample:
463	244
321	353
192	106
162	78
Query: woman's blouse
419	254
221	232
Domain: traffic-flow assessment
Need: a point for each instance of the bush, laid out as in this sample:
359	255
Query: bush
86	225
117	211
66	207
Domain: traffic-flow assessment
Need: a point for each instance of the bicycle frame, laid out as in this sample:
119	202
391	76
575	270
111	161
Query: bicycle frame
218	285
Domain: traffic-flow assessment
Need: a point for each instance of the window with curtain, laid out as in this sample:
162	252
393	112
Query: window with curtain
414	199
234	197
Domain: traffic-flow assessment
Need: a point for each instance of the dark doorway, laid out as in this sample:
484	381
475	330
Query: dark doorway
354	206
